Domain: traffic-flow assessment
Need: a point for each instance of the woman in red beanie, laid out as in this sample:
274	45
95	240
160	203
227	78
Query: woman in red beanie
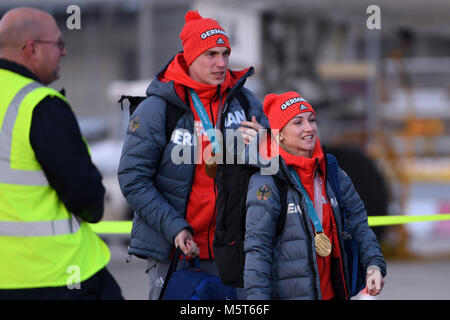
307	260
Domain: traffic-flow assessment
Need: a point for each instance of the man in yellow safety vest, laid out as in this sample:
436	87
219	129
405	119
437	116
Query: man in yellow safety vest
49	187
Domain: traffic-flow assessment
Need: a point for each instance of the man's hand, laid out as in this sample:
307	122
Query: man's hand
185	241
374	281
250	129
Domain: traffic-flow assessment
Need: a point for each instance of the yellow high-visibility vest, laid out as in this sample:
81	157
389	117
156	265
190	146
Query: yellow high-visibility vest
41	243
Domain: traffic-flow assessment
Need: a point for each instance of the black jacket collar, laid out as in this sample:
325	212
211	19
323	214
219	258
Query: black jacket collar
17	68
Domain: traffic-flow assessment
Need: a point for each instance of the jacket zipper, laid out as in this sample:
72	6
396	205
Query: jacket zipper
214	184
237	85
341	245
193	170
309	234
212	221
311	251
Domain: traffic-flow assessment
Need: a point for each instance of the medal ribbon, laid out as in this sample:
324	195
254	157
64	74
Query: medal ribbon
318	197
310	206
207	125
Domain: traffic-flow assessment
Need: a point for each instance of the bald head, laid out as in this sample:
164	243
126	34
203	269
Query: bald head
31	37
20	25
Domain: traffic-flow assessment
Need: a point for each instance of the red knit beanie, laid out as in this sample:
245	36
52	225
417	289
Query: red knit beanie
200	34
280	109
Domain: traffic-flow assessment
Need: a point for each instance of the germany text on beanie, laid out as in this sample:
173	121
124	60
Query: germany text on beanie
281	108
200	34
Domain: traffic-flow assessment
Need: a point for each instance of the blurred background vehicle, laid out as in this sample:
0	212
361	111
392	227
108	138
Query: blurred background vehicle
382	95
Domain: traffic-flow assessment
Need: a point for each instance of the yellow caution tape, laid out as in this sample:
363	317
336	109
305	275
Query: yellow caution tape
376	221
121	227
112	227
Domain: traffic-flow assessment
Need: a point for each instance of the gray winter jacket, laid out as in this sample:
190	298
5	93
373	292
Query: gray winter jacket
285	266
155	187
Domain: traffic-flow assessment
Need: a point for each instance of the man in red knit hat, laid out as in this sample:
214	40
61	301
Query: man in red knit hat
175	203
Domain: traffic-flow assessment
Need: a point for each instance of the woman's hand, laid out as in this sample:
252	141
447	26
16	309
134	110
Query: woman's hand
249	129
374	281
185	241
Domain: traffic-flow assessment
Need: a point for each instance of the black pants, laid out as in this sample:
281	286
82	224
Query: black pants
101	286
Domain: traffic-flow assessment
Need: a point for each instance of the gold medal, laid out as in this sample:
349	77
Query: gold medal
323	244
211	166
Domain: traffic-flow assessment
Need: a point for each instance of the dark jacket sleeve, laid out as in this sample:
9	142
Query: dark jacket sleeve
140	161
368	245
60	149
260	233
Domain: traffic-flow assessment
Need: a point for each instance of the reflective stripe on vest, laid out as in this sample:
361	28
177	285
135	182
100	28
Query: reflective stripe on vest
8	175
39	228
39	238
26	177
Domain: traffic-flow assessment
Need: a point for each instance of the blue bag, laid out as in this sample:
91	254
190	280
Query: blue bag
356	271
193	283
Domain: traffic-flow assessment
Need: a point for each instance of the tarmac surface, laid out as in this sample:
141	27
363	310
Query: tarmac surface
407	279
